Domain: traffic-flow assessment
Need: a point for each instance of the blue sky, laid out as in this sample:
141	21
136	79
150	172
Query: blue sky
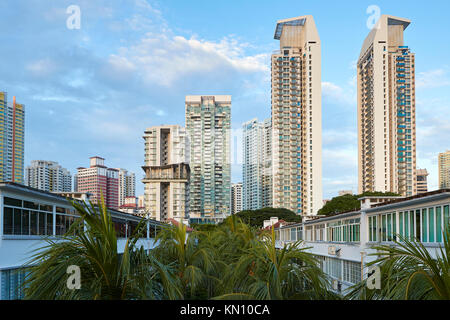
93	91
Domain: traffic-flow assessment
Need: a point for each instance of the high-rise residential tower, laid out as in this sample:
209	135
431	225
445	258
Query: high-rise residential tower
387	110
297	117
208	126
48	176
166	172
127	185
422	181
99	180
12	140
236	198
257	169
444	170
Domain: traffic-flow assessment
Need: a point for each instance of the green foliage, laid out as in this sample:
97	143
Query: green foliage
256	218
203	227
408	272
91	244
231	261
349	202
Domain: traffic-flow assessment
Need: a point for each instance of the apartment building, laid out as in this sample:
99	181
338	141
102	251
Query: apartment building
444	170
167	172
236	198
297	117
127	185
387	110
99	180
12	140
422	181
48	176
208	127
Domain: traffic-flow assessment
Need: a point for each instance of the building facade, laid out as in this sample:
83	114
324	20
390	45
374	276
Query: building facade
12	140
166	181
208	126
257	164
422	181
99	180
30	217
236	198
343	243
387	110
127	185
48	176
297	117
444	170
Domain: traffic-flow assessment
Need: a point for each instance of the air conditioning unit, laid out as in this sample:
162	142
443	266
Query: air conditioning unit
335	285
332	250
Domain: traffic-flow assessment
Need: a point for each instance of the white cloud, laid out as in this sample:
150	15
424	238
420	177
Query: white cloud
41	67
162	60
433	79
334	93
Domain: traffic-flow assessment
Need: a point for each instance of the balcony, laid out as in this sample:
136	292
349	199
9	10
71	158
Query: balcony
173	172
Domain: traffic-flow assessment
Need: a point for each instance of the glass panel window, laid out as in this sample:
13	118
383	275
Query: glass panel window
25	222
411	226
42	219
389	227
431	224
17	221
400	220
33	223
31	205
8	220
438	224
383	228
49	224
418	229
12	202
446	217
424	226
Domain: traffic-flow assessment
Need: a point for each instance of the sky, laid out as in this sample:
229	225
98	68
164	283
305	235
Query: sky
93	90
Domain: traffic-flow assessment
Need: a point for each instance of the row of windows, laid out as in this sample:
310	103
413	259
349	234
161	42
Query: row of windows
30	222
425	225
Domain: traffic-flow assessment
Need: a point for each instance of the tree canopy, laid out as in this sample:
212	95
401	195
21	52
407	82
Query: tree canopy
256	218
349	202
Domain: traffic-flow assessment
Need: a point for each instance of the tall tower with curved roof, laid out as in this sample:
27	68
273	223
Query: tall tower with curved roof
297	117
387	110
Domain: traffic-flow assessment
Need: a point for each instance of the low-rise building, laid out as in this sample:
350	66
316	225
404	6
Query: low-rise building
342	243
29	216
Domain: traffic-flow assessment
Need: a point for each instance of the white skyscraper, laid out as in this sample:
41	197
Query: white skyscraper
236	198
208	126
257	169
297	117
127	185
387	110
48	176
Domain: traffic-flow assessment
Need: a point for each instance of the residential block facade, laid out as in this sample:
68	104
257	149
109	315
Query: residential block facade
444	170
127	185
208	127
297	117
48	176
166	180
97	180
387	110
12	140
236	198
257	164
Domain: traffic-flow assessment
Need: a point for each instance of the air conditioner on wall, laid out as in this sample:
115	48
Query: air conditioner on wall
332	250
